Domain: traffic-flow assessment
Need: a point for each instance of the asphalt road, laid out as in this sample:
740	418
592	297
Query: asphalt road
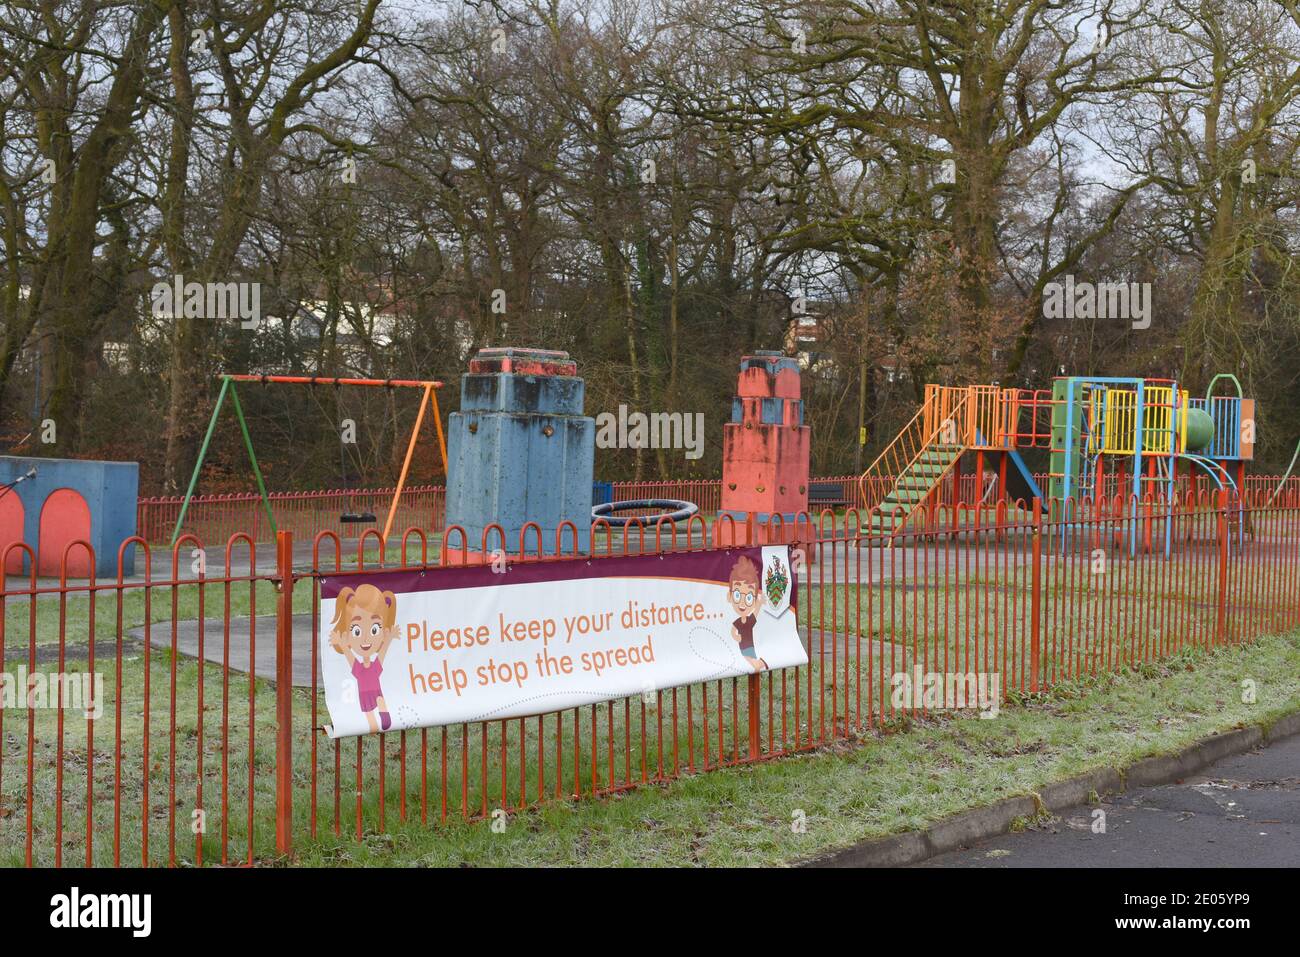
1243	811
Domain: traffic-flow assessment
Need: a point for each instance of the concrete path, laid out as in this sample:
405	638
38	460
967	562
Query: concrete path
845	646
1242	811
244	638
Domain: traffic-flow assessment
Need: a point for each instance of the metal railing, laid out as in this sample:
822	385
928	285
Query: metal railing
179	756
941	419
216	517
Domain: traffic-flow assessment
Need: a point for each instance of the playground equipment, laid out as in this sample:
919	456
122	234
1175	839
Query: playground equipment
1142	429
51	503
766	446
951	422
679	511
520	449
428	398
1101	433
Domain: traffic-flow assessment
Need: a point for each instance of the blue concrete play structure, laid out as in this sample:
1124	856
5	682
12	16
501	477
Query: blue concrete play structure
520	450
67	500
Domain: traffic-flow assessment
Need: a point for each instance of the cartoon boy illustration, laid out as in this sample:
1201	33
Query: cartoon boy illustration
364	627
746	599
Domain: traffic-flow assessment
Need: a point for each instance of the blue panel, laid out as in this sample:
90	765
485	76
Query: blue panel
513	392
761	360
1225	413
509	472
520	450
111	490
773	412
1227	427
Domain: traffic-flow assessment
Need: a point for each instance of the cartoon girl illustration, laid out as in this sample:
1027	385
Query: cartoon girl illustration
364	627
745	599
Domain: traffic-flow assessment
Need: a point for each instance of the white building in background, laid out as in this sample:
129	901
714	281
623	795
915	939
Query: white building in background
363	333
803	338
117	356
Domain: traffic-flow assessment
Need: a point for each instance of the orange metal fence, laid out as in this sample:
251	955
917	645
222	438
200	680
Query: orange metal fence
171	761
215	518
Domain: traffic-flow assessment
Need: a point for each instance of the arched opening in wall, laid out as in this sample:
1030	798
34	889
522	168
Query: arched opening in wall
11	530
65	517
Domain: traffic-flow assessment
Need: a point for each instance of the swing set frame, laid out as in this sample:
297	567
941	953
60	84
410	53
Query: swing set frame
429	398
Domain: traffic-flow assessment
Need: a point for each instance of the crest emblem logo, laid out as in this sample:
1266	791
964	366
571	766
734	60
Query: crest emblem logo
776	580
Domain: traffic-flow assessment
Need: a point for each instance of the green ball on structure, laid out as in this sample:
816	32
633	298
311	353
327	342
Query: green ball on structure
1200	430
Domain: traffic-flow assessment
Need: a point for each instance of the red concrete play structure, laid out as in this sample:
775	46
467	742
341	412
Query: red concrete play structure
766	446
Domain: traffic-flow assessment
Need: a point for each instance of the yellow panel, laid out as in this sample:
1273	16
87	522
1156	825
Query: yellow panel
982	416
1182	420
1156	418
1121	421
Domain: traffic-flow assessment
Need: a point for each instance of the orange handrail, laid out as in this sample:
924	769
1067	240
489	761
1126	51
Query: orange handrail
943	407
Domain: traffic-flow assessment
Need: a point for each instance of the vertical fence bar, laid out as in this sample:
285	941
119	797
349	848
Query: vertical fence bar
1220	629
1036	600
755	686
284	694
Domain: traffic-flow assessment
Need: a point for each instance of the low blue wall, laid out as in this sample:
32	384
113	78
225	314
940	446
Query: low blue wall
109	488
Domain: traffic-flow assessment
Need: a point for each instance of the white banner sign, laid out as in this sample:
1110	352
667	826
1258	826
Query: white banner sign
412	649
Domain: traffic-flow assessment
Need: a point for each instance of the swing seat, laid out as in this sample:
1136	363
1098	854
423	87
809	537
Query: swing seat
357	518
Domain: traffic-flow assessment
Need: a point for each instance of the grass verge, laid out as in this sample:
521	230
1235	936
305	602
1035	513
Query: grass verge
882	784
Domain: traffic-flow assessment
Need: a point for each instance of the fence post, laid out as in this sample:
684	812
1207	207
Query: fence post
755	685
284	694
1220	628
1036	601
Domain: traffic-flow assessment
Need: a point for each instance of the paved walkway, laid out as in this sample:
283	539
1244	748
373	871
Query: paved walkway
1243	811
251	640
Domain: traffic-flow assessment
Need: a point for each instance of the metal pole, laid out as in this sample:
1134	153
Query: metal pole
252	457
322	380
442	439
198	464
406	464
